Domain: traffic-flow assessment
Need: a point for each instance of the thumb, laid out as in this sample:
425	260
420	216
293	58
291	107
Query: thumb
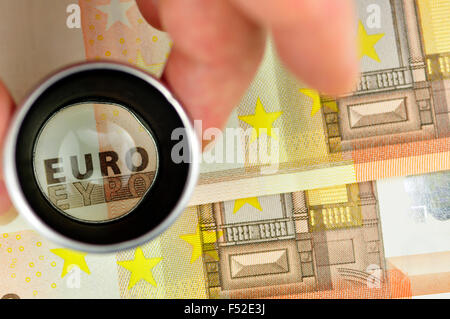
6	111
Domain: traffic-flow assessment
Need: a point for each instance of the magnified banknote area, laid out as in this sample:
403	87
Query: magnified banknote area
95	162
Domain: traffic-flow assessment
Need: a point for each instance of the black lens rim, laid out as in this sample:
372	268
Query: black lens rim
158	115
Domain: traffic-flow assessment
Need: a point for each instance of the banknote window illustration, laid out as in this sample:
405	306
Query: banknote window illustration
334	207
430	197
95	162
436	42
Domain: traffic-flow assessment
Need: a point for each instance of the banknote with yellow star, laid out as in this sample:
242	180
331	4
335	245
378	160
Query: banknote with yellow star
286	205
32	267
385	239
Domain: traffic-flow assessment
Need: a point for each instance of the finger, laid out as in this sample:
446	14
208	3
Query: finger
209	92
316	39
149	10
323	52
212	32
6	109
215	56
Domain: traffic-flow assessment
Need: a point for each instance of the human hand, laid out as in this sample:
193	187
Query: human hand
218	45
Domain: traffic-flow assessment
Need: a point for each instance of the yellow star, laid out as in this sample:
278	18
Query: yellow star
153	68
316	102
253	201
140	268
367	43
71	258
209	237
260	120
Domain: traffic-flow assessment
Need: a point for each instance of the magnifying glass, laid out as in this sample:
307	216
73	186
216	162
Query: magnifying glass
101	157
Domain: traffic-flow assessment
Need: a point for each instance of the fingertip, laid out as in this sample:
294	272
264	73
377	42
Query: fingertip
6	110
150	11
341	79
332	74
322	51
340	62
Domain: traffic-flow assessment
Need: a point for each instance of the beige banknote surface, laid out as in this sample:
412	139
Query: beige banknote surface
39	37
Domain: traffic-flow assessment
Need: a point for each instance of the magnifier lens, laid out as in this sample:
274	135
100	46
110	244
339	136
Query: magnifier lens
101	157
95	162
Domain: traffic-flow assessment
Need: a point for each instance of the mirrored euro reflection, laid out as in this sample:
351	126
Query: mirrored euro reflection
95	162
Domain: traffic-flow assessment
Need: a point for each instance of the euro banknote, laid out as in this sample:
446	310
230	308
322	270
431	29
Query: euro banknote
282	136
307	160
386	239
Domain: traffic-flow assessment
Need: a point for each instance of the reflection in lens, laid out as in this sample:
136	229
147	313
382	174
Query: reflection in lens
95	162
